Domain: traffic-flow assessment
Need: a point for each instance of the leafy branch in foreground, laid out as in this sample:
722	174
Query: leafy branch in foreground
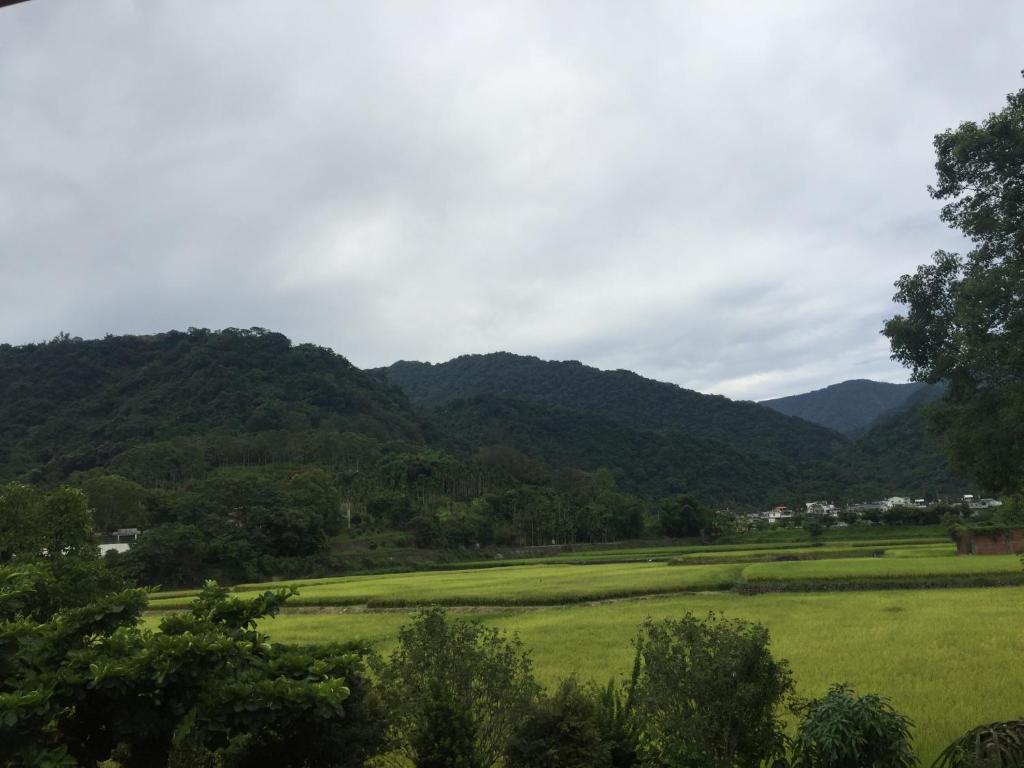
996	745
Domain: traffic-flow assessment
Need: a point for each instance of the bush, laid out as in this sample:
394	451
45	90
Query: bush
455	692
707	693
996	745
564	731
842	730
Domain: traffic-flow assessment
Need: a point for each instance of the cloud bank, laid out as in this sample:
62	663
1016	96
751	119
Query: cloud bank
714	194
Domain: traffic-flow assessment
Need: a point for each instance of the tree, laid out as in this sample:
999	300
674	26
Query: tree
707	693
116	502
455	692
89	684
682	516
563	731
964	322
843	730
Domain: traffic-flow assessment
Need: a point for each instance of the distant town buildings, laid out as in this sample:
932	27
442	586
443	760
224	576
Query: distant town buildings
826	510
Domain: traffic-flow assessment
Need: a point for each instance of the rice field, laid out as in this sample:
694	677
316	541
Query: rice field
949	659
559	583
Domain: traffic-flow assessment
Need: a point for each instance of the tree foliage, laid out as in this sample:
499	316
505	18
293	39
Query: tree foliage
843	730
89	683
455	692
995	745
708	693
964	320
565	730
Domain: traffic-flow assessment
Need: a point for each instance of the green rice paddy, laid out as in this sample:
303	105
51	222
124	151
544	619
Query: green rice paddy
949	658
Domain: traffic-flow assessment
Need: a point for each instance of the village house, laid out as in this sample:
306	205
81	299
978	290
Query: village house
821	509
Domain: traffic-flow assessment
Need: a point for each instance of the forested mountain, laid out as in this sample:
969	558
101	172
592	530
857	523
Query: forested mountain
648	462
852	407
243	455
900	452
71	404
620	396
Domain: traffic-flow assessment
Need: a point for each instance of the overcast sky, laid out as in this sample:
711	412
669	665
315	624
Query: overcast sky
717	194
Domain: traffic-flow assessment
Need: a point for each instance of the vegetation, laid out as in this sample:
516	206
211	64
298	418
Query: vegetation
561	583
964	320
708	693
843	730
576	727
945	664
851	407
995	745
455	692
83	681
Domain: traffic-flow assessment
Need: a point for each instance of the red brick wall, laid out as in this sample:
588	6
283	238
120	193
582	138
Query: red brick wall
1011	542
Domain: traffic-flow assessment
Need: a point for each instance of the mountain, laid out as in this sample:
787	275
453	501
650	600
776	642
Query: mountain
171	409
647	462
852	407
71	404
622	397
898	455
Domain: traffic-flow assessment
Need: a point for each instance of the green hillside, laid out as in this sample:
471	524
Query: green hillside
620	396
71	405
851	407
648	462
902	452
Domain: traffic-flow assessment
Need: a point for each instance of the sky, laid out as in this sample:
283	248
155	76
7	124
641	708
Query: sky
716	194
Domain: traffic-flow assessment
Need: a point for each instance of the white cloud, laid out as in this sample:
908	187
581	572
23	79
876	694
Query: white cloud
715	194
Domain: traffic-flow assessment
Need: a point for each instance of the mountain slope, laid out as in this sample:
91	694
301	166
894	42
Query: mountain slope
898	456
619	396
651	463
72	404
850	407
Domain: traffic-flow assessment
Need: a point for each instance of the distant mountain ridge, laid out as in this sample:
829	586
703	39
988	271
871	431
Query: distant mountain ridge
619	396
855	406
167	409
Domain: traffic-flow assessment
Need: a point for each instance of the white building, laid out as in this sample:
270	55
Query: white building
778	514
821	509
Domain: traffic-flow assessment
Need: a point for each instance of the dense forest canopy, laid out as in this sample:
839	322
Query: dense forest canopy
853	407
620	396
242	455
71	405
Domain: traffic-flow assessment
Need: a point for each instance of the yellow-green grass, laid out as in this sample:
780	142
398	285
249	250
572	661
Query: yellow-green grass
950	659
664	552
947	549
883	567
515	585
549	584
695	555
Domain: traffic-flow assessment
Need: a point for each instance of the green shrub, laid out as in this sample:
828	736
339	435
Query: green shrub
475	679
996	745
563	731
707	693
843	730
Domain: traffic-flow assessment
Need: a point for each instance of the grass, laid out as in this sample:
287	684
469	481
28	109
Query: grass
950	659
515	585
882	567
559	583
